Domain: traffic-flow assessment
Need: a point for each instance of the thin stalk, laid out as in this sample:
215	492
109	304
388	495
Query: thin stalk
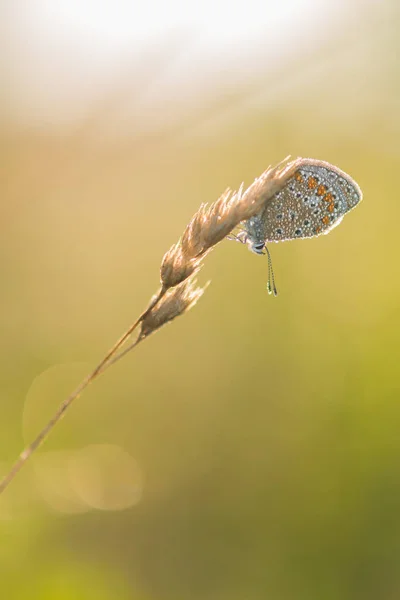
115	359
99	370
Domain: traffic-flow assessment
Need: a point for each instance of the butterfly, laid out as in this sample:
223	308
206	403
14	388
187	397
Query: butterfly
313	202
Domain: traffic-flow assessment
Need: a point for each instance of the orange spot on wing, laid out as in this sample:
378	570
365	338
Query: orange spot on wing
331	207
318	229
325	220
321	190
312	183
298	177
328	197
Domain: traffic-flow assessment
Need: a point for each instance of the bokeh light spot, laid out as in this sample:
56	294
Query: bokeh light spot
106	477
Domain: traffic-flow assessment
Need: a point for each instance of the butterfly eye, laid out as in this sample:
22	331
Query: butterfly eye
258	248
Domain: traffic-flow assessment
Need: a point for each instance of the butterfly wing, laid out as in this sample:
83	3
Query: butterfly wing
313	202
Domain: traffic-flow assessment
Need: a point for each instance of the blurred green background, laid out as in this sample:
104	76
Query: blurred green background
251	449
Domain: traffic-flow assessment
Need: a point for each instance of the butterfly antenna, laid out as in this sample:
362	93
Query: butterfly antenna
271	279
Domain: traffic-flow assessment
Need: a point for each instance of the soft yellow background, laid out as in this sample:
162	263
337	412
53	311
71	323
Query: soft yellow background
251	449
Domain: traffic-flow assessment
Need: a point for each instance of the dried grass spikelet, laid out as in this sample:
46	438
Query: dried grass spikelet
175	302
211	224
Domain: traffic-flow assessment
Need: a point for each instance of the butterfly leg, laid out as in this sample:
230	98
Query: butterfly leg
239	237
